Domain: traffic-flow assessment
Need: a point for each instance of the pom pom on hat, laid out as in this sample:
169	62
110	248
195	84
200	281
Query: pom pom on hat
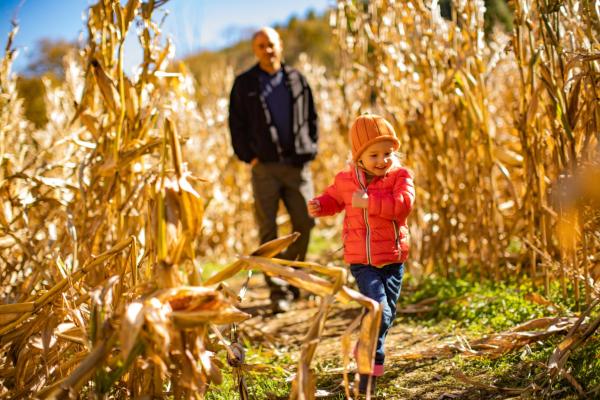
368	129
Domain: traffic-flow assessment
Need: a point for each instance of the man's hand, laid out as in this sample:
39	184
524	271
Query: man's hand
314	207
360	199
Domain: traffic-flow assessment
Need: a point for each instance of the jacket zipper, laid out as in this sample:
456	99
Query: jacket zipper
366	218
397	238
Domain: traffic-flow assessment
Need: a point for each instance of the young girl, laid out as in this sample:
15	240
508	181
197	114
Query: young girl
377	195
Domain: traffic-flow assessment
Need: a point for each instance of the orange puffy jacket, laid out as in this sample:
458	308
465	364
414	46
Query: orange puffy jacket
377	235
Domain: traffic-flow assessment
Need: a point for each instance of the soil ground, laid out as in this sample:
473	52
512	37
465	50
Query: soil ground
406	377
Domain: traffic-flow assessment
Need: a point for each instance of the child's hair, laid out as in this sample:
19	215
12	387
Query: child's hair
368	129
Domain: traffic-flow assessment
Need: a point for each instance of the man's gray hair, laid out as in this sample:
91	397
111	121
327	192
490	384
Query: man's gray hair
266	30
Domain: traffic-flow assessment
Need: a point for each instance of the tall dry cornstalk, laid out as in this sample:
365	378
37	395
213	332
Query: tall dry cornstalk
493	127
99	225
559	125
503	133
102	227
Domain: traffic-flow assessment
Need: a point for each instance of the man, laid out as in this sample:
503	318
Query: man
273	125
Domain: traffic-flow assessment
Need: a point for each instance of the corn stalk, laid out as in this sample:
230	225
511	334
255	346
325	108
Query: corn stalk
495	128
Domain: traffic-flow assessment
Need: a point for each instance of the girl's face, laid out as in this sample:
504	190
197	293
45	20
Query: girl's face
377	158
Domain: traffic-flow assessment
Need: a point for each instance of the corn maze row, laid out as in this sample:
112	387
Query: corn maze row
109	212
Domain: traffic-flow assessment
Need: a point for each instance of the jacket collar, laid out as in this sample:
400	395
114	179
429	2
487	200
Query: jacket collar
255	73
359	176
255	70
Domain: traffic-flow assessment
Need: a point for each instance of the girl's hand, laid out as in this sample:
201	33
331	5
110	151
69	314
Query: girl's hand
314	207
360	199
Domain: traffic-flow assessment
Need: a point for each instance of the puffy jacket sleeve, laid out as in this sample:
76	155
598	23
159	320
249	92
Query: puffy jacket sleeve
331	200
398	204
238	123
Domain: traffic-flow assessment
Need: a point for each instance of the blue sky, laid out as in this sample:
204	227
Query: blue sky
193	24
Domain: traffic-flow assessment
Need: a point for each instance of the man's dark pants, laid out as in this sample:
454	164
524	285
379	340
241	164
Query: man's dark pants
270	183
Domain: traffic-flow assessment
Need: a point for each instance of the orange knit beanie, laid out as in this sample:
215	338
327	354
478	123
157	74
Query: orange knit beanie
368	129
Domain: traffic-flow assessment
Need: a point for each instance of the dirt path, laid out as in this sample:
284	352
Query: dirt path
405	377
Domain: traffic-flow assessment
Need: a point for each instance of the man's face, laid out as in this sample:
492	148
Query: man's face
267	49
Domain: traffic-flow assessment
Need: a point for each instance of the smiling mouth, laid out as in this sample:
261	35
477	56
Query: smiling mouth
380	169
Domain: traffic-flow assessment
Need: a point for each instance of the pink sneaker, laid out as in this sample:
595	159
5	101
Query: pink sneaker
378	370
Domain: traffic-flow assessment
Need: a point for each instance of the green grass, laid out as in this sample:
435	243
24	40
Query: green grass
521	368
476	309
209	269
269	383
320	245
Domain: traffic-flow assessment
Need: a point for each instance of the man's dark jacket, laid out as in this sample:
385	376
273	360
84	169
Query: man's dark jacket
251	133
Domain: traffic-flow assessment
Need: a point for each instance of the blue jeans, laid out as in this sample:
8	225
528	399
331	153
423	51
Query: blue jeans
382	285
